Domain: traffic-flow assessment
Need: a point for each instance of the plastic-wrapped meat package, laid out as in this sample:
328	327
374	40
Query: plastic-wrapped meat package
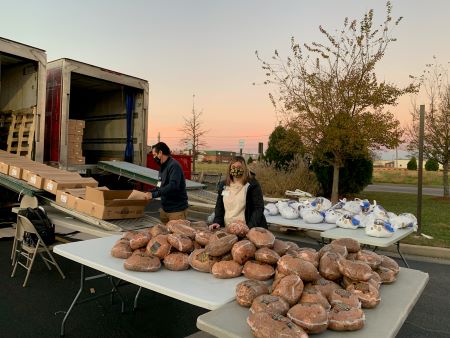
273	305
248	290
159	246
242	251
180	242
264	325
261	237
176	261
290	288
121	249
226	269
201	261
238	228
345	318
258	271
313	318
142	261
355	270
221	246
266	255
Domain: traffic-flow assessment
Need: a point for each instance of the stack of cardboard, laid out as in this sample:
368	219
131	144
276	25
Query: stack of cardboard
40	175
75	140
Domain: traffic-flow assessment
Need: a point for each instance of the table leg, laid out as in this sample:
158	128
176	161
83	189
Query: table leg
118	293
399	252
74	300
136	298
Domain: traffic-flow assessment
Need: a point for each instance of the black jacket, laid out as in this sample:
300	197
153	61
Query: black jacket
173	187
254	206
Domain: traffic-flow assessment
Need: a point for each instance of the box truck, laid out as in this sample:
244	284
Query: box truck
22	99
111	106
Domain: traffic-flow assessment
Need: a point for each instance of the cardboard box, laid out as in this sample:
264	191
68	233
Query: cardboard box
83	206
37	177
80	160
75	138
114	204
53	185
4	168
15	171
67	198
79	124
74	147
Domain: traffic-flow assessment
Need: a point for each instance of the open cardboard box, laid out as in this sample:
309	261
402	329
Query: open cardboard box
110	204
66	198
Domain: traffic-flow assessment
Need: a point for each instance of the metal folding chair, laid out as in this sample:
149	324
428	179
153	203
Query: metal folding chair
28	252
25	202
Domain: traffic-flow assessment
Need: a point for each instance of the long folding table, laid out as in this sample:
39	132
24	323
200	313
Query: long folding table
299	223
191	286
377	242
397	301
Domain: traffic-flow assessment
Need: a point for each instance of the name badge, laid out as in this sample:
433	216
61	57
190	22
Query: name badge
225	193
158	184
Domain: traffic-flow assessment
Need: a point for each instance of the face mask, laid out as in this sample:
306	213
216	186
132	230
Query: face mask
236	172
157	160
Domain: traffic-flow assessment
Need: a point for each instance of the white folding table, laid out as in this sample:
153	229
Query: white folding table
377	242
191	286
299	223
397	301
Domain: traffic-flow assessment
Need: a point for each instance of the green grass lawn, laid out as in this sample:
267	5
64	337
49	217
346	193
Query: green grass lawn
435	215
402	176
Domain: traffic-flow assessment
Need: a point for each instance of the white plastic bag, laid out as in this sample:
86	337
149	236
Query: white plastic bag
347	221
312	216
321	204
404	220
288	212
271	208
379	228
353	207
332	215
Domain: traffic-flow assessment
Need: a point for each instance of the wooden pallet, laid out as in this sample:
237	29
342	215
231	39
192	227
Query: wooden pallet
21	132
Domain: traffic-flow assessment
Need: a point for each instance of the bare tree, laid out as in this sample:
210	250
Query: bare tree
435	86
193	132
330	94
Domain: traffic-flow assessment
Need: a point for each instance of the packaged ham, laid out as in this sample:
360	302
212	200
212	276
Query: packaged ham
176	261
291	245
221	246
351	244
266	255
325	286
335	248
159	246
313	318
387	276
290	288
261	237
368	294
257	270
142	261
226	269
289	265
355	270
344	296
345	318
273	305
307	254
242	251
177	221
277	278
182	229
202	237
329	265
121	249
158	229
180	242
139	239
201	261
388	262
199	225
248	290
238	228
370	258
280	247
312	295
264	325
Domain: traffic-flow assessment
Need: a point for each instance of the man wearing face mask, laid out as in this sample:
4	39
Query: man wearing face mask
239	197
171	186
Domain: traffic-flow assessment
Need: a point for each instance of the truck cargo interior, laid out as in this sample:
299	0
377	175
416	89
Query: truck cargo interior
18	95
102	105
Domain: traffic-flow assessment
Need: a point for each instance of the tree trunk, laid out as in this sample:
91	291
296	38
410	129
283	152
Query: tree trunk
335	188
193	159
445	179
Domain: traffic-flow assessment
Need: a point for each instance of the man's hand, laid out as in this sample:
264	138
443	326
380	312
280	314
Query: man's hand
148	196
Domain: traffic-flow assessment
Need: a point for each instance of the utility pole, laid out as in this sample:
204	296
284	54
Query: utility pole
420	172
159	136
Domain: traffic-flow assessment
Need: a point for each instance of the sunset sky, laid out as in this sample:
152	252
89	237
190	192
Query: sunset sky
206	48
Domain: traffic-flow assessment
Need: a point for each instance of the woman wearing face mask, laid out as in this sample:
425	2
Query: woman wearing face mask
239	197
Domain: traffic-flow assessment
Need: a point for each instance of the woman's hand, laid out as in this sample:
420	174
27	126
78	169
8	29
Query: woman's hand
214	226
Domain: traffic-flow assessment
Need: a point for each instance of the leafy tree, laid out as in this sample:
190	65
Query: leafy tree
354	176
431	165
284	144
250	160
412	164
329	93
435	87
193	133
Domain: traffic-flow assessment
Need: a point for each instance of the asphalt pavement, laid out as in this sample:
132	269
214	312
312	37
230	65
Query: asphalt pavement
405	189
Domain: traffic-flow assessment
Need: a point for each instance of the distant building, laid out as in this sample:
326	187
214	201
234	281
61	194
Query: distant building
398	164
218	156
